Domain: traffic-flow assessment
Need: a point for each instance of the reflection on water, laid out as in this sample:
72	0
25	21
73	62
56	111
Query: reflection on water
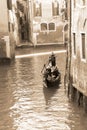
49	93
26	105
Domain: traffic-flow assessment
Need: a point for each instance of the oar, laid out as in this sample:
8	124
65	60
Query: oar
43	68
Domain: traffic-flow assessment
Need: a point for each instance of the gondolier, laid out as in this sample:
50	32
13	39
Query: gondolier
52	60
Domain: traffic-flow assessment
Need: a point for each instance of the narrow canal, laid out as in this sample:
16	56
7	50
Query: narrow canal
26	105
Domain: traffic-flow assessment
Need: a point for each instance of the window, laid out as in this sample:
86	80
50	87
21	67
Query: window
43	26
37	9
83	45
48	27
74	43
55	8
74	3
9	26
51	26
9	4
83	2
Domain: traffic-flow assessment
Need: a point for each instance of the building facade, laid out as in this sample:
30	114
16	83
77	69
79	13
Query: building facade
78	52
47	21
20	12
7	41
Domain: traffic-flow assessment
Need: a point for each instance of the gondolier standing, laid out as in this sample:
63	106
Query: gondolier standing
52	60
54	70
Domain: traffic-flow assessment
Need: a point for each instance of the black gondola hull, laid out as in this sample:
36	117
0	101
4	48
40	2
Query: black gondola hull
53	82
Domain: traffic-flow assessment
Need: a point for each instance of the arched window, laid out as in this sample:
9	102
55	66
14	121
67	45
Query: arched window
51	26
43	26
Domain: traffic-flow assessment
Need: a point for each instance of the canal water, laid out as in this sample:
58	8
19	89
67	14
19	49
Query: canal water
26	105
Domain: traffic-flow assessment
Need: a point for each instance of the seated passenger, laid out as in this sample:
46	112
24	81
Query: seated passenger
47	73
54	71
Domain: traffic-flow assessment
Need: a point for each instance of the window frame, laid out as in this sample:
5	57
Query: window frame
82	57
43	30
54	27
74	43
47	30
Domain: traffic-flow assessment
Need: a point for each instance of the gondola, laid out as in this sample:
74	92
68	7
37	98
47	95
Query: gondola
51	73
51	79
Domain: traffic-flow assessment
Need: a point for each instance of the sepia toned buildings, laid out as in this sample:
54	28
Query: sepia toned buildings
47	17
77	52
14	26
44	21
30	21
7	41
21	25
